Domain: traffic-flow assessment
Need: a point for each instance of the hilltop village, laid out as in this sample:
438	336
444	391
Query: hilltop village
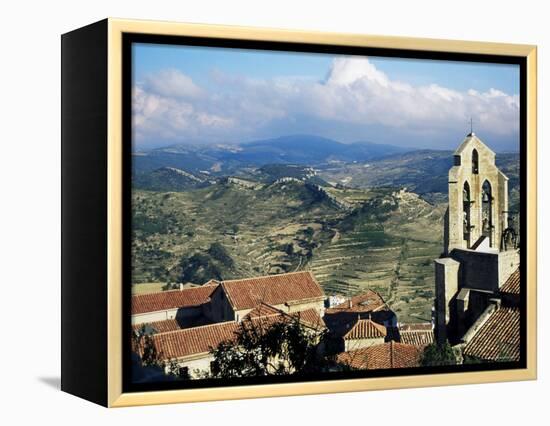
476	308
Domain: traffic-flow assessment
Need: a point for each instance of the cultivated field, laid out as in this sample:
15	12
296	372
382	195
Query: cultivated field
352	239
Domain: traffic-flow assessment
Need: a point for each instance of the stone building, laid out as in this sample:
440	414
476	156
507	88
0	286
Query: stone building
478	254
185	324
367	305
190	349
230	300
292	292
363	334
478	198
186	305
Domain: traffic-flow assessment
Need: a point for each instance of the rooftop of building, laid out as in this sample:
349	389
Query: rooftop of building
512	284
157	326
366	329
472	139
384	356
308	317
199	340
369	301
171	299
418	334
272	289
193	341
498	339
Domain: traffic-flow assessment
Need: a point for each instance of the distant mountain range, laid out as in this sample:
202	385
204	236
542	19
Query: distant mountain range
312	150
309	158
294	149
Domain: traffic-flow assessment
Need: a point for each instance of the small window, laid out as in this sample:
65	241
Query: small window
457	161
183	372
475	162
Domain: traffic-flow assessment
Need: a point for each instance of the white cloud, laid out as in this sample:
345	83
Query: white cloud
173	84
346	71
157	117
169	105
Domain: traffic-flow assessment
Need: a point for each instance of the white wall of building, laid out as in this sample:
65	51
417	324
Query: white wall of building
197	364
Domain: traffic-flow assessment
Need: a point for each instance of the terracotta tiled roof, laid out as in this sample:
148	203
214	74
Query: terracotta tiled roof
368	301
172	299
272	289
309	317
199	340
499	338
263	310
512	284
192	341
366	329
387	355
158	326
419	334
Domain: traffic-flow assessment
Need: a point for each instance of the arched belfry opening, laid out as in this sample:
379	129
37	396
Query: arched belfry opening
466	213
475	162
478	199
487	211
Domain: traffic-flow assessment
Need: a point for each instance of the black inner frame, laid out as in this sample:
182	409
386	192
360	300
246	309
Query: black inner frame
129	38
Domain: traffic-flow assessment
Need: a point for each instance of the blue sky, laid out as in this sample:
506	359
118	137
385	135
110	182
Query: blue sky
215	95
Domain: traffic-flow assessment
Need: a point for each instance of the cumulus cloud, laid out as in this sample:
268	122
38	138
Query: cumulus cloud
170	118
171	106
172	83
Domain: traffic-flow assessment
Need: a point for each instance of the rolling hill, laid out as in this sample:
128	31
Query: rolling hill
351	239
353	215
171	179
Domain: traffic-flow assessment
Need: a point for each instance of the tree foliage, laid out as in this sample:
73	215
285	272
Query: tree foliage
264	347
177	372
143	345
438	355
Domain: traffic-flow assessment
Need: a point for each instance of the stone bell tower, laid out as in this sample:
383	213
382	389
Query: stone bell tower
478	198
476	258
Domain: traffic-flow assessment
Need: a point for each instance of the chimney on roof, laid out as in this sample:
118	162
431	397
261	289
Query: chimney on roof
350	303
181	286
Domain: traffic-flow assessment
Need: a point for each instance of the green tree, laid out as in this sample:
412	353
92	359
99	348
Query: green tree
176	371
264	347
144	346
437	355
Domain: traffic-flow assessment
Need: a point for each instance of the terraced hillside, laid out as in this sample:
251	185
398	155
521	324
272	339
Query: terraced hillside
385	247
262	229
424	172
351	239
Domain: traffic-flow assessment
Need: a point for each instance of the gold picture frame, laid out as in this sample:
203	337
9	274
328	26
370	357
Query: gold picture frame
114	30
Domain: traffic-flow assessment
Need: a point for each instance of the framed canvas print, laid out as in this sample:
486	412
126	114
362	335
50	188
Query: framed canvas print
250	212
